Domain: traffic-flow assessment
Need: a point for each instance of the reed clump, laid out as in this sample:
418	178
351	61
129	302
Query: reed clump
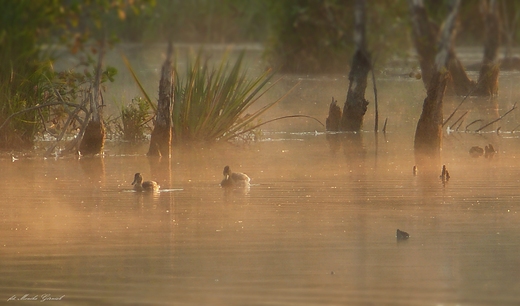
210	103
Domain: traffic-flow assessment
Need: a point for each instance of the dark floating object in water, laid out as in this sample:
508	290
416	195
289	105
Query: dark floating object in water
402	235
414	170
489	151
234	179
445	175
476	151
140	186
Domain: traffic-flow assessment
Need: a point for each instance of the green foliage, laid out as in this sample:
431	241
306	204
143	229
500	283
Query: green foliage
28	30
210	103
25	66
209	21
308	36
134	118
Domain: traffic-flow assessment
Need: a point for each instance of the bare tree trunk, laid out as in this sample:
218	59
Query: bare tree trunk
428	134
488	76
460	83
356	104
509	29
93	139
424	34
161	139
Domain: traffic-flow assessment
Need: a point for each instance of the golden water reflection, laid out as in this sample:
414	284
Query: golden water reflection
316	227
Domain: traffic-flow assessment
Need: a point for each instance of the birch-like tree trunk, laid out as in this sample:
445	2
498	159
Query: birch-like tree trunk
425	36
488	76
93	138
428	134
161	138
356	104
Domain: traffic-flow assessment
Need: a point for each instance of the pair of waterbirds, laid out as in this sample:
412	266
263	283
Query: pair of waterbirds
231	179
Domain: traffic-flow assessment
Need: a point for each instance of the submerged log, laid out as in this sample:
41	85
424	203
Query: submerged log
161	138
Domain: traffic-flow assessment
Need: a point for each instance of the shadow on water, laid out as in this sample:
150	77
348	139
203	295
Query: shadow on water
93	167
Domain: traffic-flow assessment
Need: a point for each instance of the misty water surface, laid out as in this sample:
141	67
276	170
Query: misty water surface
317	226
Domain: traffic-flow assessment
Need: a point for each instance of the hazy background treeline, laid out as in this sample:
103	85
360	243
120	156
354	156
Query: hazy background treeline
298	36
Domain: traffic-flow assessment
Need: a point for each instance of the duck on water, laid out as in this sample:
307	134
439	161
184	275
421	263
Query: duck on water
140	186
234	179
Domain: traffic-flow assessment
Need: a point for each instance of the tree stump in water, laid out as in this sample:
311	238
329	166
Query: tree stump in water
161	138
428	134
356	104
334	119
93	140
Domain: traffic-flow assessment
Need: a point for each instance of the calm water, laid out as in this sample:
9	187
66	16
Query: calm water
317	227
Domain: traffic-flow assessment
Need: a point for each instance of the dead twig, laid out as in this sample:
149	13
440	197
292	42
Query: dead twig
36	107
498	119
473	122
460	104
460	118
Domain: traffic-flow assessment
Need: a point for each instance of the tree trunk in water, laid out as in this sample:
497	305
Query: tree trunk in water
94	137
334	118
428	134
161	138
488	76
424	34
356	104
460	84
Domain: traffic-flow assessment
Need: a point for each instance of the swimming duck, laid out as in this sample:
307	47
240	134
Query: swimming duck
139	185
234	179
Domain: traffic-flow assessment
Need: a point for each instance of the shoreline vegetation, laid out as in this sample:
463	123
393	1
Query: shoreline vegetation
293	37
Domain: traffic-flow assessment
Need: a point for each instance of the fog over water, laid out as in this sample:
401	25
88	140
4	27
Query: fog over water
316	227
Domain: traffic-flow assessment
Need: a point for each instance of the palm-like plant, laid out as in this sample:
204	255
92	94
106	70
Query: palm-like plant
210	103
